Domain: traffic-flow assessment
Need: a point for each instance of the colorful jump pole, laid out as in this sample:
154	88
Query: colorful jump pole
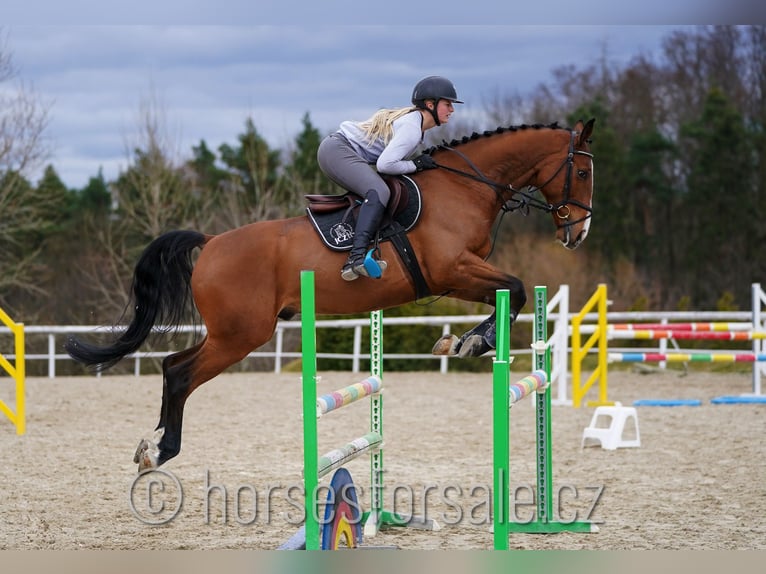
670	332
601	332
686	357
710	327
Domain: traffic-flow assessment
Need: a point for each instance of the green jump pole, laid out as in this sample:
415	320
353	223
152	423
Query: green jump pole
310	446
543	409
376	517
545	520
500	417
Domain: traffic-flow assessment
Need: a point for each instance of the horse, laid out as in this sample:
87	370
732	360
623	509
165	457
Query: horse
247	278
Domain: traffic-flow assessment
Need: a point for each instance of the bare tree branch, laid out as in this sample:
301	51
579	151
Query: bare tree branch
23	120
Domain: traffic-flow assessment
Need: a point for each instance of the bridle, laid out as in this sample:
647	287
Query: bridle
523	199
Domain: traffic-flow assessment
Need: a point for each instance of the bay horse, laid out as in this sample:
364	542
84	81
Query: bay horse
247	278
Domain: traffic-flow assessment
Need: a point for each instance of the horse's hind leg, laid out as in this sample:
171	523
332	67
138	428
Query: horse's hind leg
148	451
182	373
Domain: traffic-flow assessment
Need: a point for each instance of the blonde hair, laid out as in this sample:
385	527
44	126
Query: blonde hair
381	124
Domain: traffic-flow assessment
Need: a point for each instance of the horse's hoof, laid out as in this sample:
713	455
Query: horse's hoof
148	452
473	346
146	455
447	345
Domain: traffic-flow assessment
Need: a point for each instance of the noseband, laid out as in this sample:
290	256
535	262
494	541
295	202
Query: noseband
522	200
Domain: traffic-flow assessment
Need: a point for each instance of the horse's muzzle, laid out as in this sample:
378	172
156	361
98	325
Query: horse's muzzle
566	239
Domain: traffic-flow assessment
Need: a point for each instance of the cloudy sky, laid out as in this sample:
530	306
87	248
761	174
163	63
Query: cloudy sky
207	79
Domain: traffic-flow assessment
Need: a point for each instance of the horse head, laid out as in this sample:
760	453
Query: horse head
554	160
565	179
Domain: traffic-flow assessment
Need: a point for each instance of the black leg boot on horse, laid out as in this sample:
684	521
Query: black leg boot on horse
360	262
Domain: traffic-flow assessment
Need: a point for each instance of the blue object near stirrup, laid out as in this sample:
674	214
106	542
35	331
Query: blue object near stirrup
371	266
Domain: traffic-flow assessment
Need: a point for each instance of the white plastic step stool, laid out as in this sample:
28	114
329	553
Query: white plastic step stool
611	437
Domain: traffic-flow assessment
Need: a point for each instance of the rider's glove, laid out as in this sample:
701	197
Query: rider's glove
424	161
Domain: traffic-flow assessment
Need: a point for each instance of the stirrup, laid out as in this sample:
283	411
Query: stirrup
367	267
371	266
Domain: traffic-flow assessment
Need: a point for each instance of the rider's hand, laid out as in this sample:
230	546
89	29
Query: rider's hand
424	161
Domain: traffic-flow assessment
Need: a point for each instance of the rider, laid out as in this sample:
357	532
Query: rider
358	152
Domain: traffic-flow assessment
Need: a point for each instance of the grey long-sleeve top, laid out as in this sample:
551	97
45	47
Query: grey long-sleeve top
388	158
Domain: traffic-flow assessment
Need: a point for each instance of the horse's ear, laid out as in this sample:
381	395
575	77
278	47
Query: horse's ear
585	131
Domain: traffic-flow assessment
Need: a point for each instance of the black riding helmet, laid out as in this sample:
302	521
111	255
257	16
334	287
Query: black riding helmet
433	88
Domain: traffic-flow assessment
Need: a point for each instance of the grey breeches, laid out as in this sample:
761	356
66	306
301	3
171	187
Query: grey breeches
341	164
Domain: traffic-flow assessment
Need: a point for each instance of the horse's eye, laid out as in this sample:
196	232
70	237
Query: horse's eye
582	174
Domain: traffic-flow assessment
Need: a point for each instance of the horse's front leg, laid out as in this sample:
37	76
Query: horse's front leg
473	343
481	339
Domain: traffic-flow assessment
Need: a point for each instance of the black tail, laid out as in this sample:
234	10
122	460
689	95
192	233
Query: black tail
161	290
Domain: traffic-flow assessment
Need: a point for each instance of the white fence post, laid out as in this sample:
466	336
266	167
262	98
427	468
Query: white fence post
559	344
759	346
51	356
357	349
278	350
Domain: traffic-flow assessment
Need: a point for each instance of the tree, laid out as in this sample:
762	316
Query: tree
755	78
207	176
24	208
55	193
655	207
250	189
719	208
615	221
92	200
302	175
149	198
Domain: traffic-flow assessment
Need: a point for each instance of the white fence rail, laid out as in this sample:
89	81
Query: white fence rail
56	335
558	315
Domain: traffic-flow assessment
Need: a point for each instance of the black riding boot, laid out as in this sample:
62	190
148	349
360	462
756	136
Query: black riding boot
367	223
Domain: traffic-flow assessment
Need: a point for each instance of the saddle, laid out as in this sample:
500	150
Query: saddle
319	204
334	218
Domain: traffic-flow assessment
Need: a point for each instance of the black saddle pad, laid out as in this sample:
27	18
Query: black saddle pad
337	229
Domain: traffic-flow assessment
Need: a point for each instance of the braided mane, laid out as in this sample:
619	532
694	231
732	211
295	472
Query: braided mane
489	133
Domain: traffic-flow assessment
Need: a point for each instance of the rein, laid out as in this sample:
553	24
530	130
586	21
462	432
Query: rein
523	200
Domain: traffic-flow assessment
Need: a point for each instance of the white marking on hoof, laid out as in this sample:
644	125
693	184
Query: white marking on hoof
148	451
446	345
